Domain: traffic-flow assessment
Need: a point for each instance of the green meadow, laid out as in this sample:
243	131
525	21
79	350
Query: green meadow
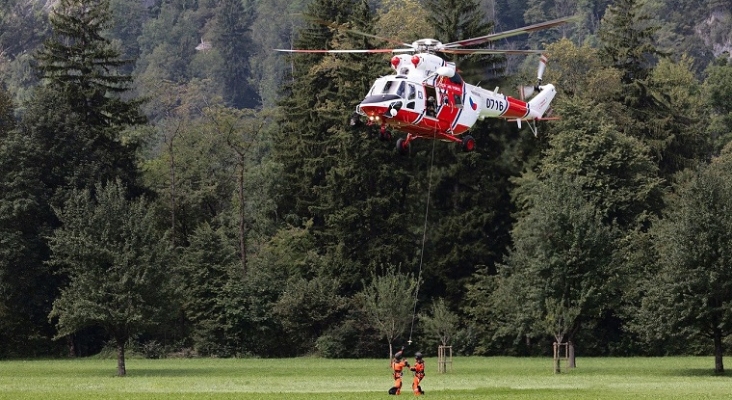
314	378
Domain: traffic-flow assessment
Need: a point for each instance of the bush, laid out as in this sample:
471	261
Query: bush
329	346
153	349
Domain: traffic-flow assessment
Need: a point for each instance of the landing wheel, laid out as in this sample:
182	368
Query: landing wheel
468	143
402	147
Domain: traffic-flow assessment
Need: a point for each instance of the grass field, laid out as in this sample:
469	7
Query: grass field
313	378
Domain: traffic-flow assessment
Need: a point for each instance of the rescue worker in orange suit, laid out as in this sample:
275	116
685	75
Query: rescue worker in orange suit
398	364
418	369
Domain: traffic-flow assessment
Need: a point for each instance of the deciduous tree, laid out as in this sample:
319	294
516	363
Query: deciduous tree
388	303
690	292
117	262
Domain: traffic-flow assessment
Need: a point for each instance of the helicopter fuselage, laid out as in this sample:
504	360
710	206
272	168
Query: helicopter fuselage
428	98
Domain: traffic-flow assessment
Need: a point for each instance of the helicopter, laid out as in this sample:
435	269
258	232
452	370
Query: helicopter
427	98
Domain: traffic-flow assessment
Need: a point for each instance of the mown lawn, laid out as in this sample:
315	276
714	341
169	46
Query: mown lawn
312	378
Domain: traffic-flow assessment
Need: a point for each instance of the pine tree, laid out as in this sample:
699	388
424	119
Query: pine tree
469	216
70	136
233	19
24	280
299	145
455	20
649	112
83	135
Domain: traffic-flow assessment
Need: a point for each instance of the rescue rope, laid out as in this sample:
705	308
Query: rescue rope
424	239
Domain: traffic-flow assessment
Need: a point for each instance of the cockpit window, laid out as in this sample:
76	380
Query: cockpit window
400	90
392	87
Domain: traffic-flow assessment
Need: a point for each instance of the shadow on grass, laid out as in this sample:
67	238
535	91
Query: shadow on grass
182	372
698	372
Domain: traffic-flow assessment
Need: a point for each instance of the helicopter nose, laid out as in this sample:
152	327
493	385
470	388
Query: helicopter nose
374	112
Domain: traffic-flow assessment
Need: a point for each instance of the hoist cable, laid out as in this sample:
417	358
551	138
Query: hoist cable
424	239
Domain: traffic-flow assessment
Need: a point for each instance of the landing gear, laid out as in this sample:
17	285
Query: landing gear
384	134
402	147
354	120
468	143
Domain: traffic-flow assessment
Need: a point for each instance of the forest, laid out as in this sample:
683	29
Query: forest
172	186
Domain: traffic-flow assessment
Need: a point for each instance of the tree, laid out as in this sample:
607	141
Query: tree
403	20
561	264
663	108
690	292
455	20
24	280
719	101
79	68
627	40
388	303
70	136
117	262
232	38
209	269
336	179
81	62
441	323
308	308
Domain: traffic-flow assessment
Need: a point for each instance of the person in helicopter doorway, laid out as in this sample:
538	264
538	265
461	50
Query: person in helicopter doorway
397	365
418	369
431	107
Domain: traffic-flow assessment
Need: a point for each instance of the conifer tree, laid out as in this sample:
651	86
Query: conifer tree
70	136
233	19
455	20
469	211
24	281
649	112
303	126
79	67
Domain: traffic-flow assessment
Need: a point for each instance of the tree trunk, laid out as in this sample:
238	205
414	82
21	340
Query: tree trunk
391	355
242	218
72	346
121	370
570	350
718	352
172	192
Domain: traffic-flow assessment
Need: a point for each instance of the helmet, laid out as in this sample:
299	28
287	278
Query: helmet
418	355
398	355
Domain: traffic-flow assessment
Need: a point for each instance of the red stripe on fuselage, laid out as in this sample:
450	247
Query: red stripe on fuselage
426	126
516	108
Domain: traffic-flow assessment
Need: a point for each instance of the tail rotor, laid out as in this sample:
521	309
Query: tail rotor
528	91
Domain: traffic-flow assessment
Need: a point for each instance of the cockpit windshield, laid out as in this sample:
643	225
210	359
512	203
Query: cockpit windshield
397	87
388	89
394	87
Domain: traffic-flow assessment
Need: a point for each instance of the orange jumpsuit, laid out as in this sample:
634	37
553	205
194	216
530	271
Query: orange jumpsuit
418	375
398	366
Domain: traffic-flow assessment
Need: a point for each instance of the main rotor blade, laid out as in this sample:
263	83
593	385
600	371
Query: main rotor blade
345	51
357	32
490	51
513	32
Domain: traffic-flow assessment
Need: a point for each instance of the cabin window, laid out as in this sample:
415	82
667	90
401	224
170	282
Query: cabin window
411	96
458	100
387	87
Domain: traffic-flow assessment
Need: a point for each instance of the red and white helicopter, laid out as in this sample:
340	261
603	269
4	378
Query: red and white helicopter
427	98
